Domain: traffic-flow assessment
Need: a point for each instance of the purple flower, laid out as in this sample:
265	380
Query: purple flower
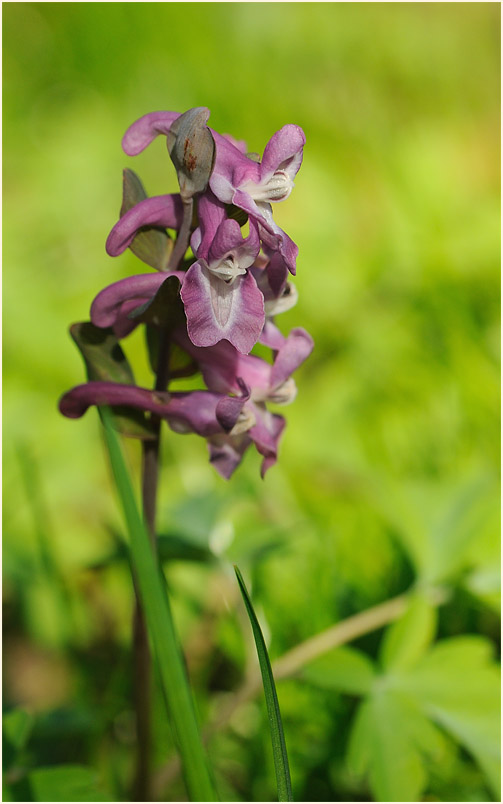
226	293
237	179
202	412
253	186
221	297
271	276
113	305
231	292
161	210
225	371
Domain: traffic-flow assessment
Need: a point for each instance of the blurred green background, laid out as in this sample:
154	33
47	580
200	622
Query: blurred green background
388	470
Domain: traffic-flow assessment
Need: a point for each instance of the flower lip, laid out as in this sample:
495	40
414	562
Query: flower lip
227	269
283	394
246	420
284	302
276	188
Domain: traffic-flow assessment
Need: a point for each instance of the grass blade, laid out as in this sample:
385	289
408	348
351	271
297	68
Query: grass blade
162	631
276	727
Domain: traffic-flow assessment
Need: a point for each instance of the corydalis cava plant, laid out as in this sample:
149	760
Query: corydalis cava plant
203	313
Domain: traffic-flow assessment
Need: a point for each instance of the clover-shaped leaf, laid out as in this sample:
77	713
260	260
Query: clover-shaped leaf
389	741
414	699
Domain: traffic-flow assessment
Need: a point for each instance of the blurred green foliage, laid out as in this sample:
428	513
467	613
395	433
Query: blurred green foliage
388	472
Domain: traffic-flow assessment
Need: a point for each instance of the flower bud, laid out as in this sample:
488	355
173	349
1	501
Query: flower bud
192	150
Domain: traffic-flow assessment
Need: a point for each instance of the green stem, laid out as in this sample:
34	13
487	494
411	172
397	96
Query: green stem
155	602
150	477
182	240
141	789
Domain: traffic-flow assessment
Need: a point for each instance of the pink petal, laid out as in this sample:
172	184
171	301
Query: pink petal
296	348
161	210
216	310
266	434
143	131
194	411
226	452
283	152
107	306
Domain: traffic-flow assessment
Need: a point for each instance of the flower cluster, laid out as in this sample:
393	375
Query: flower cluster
214	308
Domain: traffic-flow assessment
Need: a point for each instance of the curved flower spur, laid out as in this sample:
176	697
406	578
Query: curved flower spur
214	307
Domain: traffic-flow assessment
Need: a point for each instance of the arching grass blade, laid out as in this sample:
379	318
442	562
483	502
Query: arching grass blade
276	727
160	623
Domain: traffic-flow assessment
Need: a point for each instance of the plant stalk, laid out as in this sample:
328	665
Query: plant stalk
141	789
182	241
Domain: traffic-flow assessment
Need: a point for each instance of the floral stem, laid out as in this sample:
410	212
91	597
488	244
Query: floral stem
141	648
142	661
182	240
150	476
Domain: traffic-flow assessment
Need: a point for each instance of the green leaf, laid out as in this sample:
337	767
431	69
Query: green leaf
406	640
103	356
197	515
160	624
66	783
343	669
440	526
454	685
17	725
275	725
485	583
152	244
459	526
180	364
388	741
105	361
458	685
175	547
165	308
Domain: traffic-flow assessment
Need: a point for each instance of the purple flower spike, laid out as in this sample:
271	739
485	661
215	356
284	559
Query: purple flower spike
161	210
231	292
191	412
